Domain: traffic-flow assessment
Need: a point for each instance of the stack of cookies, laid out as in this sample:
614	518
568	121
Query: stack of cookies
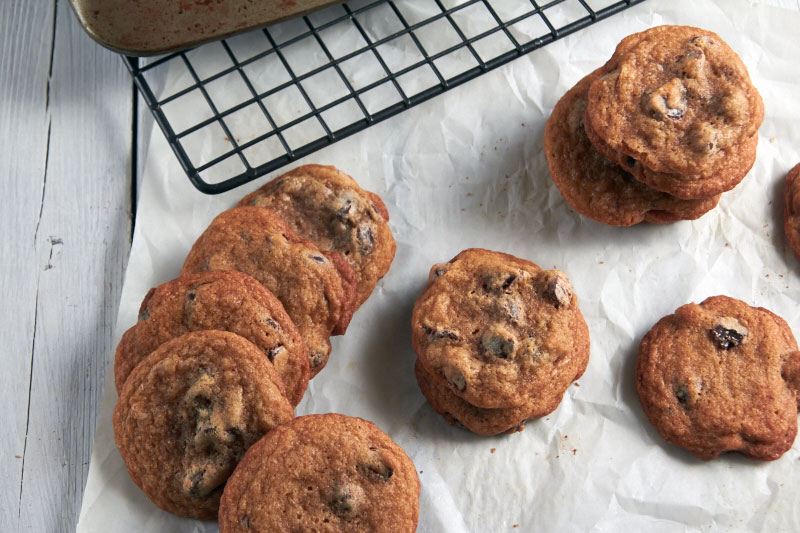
668	124
498	340
221	355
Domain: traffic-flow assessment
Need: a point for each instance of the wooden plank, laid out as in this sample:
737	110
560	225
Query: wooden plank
25	46
80	250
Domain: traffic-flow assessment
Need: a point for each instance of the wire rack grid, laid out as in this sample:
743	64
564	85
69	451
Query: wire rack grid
280	93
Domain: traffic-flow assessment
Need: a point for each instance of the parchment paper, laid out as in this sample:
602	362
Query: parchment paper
467	170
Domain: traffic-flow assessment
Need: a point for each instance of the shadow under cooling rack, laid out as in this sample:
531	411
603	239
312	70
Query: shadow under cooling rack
278	94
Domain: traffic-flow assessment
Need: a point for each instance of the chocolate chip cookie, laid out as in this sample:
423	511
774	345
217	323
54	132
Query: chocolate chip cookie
724	175
316	288
189	411
597	187
325	473
680	101
791	210
327	207
222	300
479	420
721	376
500	331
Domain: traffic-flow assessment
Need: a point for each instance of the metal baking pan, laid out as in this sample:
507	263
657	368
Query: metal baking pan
151	27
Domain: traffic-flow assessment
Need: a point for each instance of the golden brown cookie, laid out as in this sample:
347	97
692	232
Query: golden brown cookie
729	171
323	473
500	331
597	187
316	288
791	210
223	300
678	100
479	420
189	411
721	376
327	207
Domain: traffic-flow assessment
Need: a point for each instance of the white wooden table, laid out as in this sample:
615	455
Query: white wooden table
69	130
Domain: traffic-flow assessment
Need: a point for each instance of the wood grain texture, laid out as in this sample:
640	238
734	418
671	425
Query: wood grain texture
24	131
67	135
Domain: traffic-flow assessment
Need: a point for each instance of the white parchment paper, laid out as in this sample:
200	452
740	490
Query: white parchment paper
467	170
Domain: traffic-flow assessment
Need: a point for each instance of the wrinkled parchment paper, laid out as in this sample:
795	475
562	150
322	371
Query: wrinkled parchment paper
467	170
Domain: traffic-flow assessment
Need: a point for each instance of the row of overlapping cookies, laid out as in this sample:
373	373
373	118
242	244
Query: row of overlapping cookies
499	341
659	132
209	376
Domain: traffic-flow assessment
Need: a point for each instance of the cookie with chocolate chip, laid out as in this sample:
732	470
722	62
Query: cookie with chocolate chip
221	300
791	209
327	473
327	207
500	331
479	420
189	411
728	171
679	101
597	187
721	376
316	288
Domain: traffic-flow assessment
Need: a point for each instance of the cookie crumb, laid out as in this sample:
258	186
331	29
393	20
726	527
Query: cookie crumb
574	451
493	450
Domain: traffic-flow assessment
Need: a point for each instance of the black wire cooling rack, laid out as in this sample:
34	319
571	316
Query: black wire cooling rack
280	93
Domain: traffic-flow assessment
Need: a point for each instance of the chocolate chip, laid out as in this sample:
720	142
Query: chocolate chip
346	499
377	470
704	40
728	333
436	335
669	100
681	393
315	359
559	289
341	500
271	323
318	258
366	241
191	296
726	338
204	477
438	271
274	351
245	521
343	211
144	314
509	280
630	161
498	283
455	378
703	138
497	346
193	482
